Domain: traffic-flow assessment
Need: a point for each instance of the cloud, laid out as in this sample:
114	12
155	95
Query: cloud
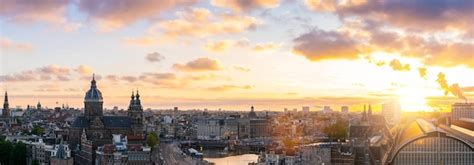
321	5
456	91
47	73
229	87
218	46
141	41
84	70
265	47
129	79
154	57
114	14
25	12
245	5
241	68
112	78
398	66
319	45
200	64
200	22
422	72
7	44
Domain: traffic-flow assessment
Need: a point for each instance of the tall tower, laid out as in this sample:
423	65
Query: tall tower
135	112
93	101
6	108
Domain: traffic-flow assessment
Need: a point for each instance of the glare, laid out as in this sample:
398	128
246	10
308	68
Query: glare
413	99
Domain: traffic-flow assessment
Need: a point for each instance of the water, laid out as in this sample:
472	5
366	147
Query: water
234	159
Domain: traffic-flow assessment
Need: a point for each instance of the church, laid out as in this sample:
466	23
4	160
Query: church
99	128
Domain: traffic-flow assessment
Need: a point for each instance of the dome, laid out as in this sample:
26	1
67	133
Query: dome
93	94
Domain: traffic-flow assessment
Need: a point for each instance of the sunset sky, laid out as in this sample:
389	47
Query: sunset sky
232	54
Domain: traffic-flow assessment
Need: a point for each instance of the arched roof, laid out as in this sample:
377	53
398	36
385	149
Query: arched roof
420	129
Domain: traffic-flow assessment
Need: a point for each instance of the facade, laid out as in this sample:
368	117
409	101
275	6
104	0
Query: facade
210	129
259	128
423	143
120	152
98	129
314	154
462	110
61	155
391	112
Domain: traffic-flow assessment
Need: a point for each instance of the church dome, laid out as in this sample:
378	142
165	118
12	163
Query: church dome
93	94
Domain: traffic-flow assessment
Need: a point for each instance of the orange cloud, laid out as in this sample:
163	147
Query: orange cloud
84	70
245	5
241	68
422	72
398	66
114	14
7	44
200	22
218	46
321	5
141	41
319	45
264	47
200	64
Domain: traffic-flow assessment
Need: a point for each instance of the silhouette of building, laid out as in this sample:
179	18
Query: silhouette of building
5	119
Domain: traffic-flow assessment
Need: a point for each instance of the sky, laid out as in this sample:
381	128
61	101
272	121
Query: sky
232	54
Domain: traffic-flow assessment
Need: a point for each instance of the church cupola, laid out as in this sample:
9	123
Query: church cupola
94	94
93	101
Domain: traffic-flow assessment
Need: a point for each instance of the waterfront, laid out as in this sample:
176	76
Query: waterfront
234	159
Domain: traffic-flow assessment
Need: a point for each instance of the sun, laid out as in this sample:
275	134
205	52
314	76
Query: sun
413	99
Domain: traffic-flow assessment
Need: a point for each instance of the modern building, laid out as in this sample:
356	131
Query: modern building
462	110
421	142
99	128
391	112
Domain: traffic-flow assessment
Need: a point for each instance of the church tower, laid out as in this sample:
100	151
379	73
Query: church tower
93	102
6	108
135	112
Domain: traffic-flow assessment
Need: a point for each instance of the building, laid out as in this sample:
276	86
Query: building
61	155
210	129
99	128
391	112
344	109
259	128
462	110
5	119
305	109
316	153
421	142
120	152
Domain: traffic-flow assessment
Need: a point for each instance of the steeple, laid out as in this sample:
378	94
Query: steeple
38	106
132	99
6	108
137	99
93	85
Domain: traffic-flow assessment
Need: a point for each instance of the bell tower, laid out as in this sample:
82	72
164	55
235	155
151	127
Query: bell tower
135	112
93	101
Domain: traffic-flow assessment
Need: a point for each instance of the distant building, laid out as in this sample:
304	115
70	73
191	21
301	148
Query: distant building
305	109
327	109
210	129
344	109
462	110
391	112
5	119
61	155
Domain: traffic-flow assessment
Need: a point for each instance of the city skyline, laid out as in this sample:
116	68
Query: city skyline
270	54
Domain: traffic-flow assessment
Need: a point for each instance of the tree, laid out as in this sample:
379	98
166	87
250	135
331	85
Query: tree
338	130
18	154
152	139
5	149
37	130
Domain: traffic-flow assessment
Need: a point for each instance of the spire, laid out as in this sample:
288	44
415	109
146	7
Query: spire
137	99
133	95
251	109
6	97
93	85
138	95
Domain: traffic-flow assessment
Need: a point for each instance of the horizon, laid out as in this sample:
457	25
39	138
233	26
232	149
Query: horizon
268	54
